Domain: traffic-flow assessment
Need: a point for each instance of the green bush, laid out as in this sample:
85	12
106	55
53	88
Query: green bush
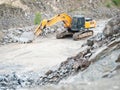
108	5
116	2
37	19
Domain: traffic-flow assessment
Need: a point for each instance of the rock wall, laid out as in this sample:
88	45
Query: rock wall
11	16
25	10
113	27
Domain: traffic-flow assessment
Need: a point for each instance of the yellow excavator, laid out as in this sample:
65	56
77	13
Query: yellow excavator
77	27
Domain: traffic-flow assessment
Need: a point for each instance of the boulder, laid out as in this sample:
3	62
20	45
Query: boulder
112	27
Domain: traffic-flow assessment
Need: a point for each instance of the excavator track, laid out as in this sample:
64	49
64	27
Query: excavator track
64	34
80	35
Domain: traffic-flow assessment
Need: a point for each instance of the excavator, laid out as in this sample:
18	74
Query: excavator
77	26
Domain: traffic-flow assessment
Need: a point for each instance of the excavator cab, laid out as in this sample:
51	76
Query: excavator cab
78	23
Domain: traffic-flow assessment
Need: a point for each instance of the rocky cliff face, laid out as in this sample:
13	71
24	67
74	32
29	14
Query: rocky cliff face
19	13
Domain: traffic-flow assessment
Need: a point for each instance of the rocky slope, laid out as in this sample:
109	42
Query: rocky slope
100	59
19	13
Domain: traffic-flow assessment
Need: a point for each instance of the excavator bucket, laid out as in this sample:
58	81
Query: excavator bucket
38	31
40	28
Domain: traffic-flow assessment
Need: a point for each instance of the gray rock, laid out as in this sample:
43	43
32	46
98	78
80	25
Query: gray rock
118	60
90	42
20	35
113	27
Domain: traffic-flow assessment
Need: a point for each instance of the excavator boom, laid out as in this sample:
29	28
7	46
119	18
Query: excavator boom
67	20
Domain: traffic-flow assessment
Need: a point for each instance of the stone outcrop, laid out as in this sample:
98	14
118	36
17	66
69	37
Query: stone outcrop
113	27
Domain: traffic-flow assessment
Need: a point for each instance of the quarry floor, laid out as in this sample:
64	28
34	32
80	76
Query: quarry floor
43	53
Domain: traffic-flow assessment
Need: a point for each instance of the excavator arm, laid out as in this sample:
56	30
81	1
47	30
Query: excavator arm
67	20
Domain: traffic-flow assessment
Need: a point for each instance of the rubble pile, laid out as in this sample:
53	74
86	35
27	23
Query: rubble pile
25	34
110	33
69	67
19	35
